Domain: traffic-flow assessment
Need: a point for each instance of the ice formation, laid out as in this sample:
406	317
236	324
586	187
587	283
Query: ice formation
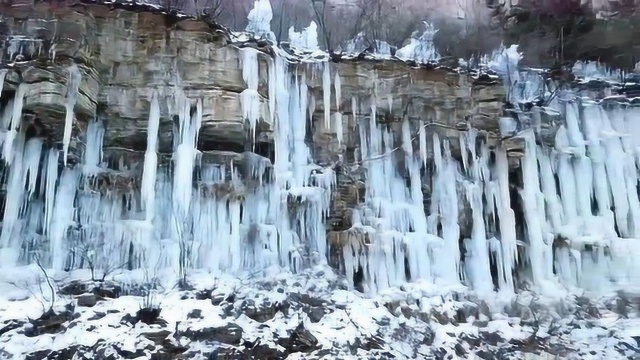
73	84
307	39
420	48
360	43
260	20
435	209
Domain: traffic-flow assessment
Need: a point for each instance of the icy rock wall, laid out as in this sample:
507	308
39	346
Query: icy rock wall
577	204
230	159
188	213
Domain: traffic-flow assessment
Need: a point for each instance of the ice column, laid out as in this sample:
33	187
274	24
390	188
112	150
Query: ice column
533	203
148	187
250	98
338	115
73	85
93	148
185	155
62	217
13	122
326	94
444	210
507	221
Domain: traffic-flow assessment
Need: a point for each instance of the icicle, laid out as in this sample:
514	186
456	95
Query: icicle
32	154
337	84
14	124
531	201
51	178
93	149
147	189
73	85
423	143
184	156
15	193
62	217
3	75
508	239
326	93
250	98
337	125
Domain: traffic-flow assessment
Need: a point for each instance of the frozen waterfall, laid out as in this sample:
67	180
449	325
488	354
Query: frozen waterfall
434	208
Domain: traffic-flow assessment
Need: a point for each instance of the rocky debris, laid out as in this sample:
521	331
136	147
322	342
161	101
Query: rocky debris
101	289
300	340
264	311
309	316
52	321
228	334
11	325
88	300
158	337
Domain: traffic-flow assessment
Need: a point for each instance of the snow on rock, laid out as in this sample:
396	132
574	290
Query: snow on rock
310	315
421	48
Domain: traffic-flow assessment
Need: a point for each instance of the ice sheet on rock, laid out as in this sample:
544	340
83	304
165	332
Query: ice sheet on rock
421	48
305	40
260	20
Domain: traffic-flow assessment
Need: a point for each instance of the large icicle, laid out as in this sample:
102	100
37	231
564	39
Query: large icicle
508	239
93	148
532	203
250	98
73	85
147	190
326	94
62	218
14	123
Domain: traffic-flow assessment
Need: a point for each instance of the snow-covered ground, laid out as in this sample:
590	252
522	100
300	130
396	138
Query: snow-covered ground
276	314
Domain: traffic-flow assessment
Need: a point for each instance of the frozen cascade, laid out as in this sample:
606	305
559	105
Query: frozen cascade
429	213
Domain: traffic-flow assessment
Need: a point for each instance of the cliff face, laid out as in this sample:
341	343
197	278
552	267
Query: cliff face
124	57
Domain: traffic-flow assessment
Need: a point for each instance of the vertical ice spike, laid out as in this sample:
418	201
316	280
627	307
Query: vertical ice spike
73	85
